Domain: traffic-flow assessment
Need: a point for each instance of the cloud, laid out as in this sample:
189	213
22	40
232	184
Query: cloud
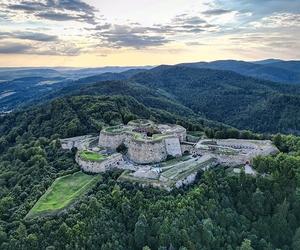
13	48
135	37
28	35
185	19
57	10
61	49
58	16
190	24
277	20
195	43
216	12
55	49
275	42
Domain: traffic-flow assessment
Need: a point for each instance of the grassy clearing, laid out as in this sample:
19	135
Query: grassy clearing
115	129
91	156
63	191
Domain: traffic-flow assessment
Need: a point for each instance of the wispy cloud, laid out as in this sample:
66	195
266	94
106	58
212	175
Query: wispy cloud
216	12
119	36
14	48
57	49
58	10
278	20
28	35
134	35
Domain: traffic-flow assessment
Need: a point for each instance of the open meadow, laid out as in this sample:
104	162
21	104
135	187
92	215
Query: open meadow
63	191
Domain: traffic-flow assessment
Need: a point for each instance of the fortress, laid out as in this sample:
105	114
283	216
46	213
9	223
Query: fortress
160	154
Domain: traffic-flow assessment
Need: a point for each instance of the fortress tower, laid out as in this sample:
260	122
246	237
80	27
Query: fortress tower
146	141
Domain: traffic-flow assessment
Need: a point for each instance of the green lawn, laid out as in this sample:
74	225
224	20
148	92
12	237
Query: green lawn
91	156
63	191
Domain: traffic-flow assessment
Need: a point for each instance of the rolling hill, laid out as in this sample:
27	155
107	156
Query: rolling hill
273	70
228	97
199	93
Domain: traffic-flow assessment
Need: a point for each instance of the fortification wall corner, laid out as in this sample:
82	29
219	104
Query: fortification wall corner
114	161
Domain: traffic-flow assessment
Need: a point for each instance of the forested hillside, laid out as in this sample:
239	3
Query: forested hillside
221	96
230	98
21	92
219	211
272	70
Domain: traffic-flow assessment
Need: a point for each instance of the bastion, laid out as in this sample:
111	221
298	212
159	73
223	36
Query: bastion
107	163
145	141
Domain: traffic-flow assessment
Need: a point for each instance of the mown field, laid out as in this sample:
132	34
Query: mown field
63	191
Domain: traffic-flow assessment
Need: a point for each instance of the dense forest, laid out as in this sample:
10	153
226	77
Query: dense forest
220	96
220	211
270	69
224	96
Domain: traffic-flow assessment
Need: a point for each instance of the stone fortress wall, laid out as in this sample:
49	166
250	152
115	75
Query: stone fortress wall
144	149
233	152
173	129
113	161
173	147
111	140
79	142
146	152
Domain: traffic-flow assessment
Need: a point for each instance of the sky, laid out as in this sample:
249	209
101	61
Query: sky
94	33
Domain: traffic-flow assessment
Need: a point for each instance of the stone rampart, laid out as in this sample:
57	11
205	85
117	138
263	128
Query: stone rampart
145	152
187	147
186	181
173	146
114	161
181	135
111	140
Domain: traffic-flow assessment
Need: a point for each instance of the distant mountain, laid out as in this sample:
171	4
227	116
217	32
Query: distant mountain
272	69
267	61
86	72
22	91
225	96
188	90
8	74
288	65
109	76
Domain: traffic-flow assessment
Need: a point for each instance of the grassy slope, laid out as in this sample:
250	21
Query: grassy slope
63	192
91	156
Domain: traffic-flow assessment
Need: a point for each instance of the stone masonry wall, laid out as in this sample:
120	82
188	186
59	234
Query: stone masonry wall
173	146
111	141
146	152
112	162
187	148
181	135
